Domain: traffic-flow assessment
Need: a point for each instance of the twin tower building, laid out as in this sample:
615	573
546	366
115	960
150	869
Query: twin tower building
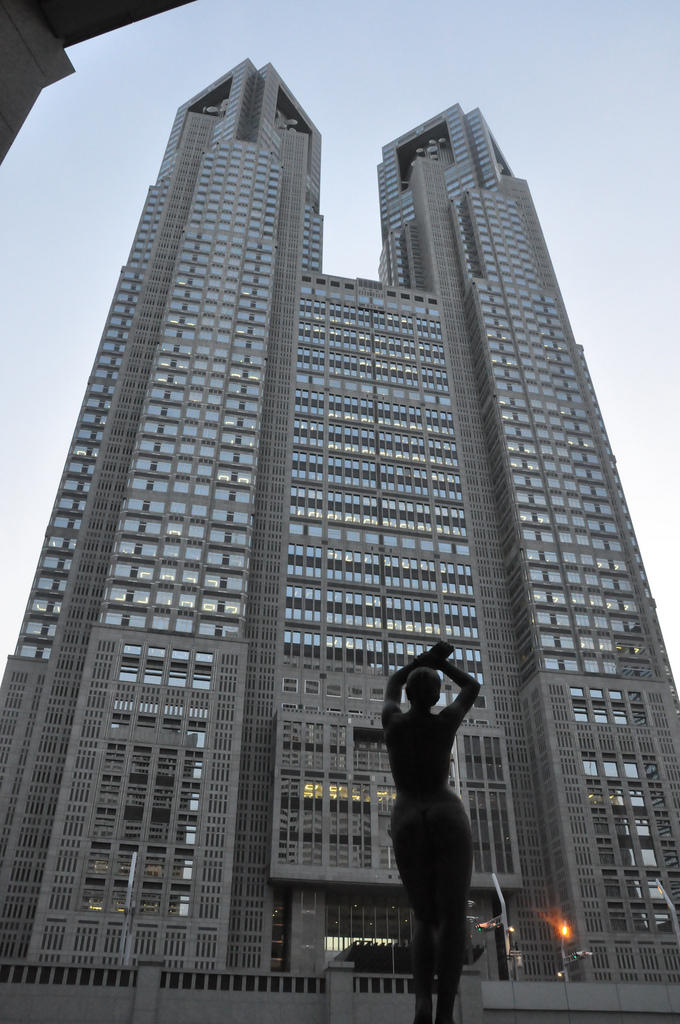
282	485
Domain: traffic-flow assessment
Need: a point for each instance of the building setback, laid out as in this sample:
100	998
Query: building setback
284	483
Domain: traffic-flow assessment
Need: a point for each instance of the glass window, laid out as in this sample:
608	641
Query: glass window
178	905
182	867
154	866
640	921
149	903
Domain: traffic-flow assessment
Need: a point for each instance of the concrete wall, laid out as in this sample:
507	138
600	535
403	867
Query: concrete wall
546	1002
148	994
30	58
32	47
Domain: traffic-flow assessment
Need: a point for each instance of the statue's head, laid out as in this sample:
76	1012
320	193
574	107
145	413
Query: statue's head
423	687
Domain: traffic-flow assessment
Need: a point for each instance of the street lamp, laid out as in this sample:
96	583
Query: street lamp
514	954
671	908
503	914
564	934
126	936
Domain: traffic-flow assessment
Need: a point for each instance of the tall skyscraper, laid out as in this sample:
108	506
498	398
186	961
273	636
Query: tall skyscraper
282	485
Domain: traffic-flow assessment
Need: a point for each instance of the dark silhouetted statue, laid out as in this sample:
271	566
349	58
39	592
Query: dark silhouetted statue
430	829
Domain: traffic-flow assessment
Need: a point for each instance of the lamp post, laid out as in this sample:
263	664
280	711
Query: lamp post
512	954
564	934
515	955
503	915
567	958
671	909
126	937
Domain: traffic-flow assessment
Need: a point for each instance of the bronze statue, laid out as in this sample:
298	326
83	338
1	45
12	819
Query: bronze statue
430	829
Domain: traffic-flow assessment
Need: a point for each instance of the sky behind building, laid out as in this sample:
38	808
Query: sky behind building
582	97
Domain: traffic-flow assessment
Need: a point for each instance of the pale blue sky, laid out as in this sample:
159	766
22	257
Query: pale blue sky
583	97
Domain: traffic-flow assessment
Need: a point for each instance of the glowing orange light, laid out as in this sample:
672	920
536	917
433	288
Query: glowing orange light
560	927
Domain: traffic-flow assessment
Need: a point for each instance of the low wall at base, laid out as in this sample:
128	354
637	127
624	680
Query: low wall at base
543	1002
149	994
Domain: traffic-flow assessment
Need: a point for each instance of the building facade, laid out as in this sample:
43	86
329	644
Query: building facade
284	483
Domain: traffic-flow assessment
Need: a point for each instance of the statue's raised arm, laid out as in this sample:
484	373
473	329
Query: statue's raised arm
469	691
433	659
